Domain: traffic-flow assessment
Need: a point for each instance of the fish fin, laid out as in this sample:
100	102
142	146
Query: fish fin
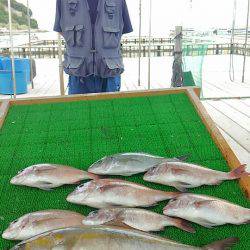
77	182
206	223
247	222
222	244
218	182
199	204
239	172
47	186
183	157
182	224
151	205
182	186
45	168
130	174
46	189
181	189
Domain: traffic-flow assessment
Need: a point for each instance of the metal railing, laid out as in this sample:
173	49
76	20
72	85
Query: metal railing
52	51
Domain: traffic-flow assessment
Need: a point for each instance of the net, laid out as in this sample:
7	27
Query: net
193	57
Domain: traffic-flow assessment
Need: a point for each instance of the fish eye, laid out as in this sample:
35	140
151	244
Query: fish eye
99	162
173	200
81	186
21	171
93	213
14	222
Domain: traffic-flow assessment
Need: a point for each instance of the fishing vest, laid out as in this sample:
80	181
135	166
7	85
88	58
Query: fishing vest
84	55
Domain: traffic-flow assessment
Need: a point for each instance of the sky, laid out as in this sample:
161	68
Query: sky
166	14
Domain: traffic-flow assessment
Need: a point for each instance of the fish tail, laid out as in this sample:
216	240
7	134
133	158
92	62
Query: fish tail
222	244
238	172
247	217
167	195
93	176
182	224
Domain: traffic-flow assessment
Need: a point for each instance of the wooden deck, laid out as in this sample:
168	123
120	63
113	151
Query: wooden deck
232	117
231	114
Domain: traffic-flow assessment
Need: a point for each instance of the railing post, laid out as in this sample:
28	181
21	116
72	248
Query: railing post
61	76
177	78
140	30
149	45
30	53
12	52
245	46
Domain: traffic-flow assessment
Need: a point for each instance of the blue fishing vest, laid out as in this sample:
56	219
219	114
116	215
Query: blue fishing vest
101	57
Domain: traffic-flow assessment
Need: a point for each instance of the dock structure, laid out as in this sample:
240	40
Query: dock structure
130	48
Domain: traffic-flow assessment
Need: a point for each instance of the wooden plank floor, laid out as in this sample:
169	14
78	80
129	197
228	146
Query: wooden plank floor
233	120
232	116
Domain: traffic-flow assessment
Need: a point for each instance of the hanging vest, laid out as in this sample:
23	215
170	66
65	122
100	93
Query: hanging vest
84	57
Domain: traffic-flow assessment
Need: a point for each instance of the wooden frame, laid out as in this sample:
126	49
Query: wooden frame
4	108
191	92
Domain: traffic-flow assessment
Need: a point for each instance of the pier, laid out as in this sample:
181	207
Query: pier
130	48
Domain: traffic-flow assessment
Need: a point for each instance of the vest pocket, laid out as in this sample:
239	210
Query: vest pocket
69	36
110	7
111	27
111	37
75	66
111	67
80	35
73	6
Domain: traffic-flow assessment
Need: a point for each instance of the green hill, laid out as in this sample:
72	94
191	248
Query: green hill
19	15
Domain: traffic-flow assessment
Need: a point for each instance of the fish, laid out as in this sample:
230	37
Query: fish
136	218
127	164
183	175
105	193
110	238
207	211
48	176
36	223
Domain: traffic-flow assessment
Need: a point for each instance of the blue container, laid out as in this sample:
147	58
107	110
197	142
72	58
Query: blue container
21	64
6	83
22	73
1	64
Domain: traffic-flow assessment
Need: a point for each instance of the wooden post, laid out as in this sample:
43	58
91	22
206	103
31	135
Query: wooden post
62	90
177	78
245	45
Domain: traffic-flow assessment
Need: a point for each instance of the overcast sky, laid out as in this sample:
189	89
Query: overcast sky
166	14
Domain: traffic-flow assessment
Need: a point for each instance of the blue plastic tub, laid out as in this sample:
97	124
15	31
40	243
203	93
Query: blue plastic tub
6	83
21	64
22	68
1	64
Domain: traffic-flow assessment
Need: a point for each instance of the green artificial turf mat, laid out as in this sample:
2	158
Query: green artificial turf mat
80	133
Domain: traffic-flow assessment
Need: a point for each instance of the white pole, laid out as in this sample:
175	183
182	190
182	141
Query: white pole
30	54
140	22
149	45
245	47
12	52
231	67
62	90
